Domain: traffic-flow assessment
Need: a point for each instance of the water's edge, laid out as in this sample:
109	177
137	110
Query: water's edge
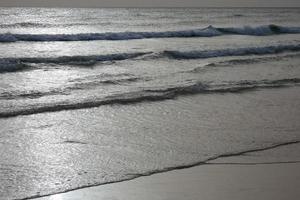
204	162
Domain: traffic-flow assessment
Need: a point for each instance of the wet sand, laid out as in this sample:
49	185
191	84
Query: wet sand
262	175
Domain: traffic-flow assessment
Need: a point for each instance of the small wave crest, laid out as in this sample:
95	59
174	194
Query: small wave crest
12	65
231	52
239	86
209	31
237	15
242	62
15	64
76	84
260	30
42	25
24	25
152	94
10	37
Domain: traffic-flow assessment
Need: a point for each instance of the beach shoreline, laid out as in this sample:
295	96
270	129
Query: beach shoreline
263	176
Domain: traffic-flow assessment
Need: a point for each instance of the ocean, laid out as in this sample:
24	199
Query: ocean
96	96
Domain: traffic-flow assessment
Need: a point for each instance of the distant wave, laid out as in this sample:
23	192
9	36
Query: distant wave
46	25
209	31
151	94
18	64
82	59
242	62
231	52
257	59
24	25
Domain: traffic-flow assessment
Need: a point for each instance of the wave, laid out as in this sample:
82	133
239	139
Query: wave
229	87
43	25
12	65
152	94
24	25
15	64
237	15
242	62
232	52
80	84
83	59
265	30
209	31
10	95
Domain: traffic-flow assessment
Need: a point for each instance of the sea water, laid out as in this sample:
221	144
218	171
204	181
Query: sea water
94	96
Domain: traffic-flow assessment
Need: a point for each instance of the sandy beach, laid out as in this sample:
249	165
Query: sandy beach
270	174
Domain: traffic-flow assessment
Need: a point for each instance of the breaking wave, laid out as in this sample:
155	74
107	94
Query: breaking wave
152	94
209	31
